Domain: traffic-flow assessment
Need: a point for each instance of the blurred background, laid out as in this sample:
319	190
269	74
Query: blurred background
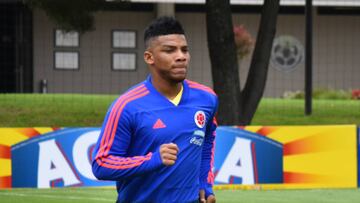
50	63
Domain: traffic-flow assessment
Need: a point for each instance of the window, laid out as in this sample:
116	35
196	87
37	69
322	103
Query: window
66	60
123	61
66	39
124	56
123	39
66	51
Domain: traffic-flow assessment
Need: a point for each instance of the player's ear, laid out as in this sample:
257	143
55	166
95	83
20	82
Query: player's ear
148	57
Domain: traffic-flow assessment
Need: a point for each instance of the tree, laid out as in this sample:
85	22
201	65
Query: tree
236	105
72	14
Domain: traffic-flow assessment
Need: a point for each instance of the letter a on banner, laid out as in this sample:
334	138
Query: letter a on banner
53	166
238	163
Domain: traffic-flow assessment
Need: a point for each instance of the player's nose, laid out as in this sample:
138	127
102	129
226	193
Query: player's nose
181	56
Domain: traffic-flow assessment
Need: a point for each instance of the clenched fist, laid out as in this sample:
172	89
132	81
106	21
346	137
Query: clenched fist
209	199
168	153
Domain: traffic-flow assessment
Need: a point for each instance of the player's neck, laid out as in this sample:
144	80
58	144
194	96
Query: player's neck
169	89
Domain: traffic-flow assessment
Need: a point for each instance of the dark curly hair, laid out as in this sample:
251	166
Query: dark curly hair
162	26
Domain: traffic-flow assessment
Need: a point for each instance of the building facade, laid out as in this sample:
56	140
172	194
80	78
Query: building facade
110	59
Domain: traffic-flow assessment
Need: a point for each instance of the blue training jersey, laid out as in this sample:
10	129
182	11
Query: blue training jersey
141	120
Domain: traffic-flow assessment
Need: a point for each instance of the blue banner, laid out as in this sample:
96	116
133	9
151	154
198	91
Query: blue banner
243	157
57	159
62	158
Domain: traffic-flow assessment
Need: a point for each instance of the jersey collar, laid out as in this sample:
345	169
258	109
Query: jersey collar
153	90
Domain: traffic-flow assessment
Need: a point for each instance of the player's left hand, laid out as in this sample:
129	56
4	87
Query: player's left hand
209	199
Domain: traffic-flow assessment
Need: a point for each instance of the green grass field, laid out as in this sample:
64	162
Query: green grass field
83	195
24	110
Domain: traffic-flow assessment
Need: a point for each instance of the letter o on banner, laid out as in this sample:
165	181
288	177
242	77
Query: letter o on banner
81	153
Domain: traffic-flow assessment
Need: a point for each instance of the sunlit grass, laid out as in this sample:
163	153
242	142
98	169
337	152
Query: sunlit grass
70	110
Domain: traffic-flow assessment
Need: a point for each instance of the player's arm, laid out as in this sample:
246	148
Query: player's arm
110	160
207	162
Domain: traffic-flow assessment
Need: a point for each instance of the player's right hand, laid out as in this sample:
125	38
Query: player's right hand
168	153
209	199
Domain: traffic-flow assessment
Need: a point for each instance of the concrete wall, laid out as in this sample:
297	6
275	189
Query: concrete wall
336	54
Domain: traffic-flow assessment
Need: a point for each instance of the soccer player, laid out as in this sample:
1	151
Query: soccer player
157	139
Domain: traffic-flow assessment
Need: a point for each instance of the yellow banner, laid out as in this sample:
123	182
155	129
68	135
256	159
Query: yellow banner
315	156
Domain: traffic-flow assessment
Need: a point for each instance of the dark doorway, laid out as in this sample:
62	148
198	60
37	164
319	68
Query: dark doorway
7	48
15	48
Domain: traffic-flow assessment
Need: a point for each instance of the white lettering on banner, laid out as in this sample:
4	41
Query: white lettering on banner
80	153
53	166
240	152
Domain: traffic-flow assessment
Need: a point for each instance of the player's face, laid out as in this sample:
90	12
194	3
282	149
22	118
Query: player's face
168	57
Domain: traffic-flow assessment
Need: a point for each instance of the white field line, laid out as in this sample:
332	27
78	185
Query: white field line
60	191
58	197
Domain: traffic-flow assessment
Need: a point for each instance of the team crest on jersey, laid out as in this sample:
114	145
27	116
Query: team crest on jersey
200	119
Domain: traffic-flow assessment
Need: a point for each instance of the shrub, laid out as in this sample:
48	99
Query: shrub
293	95
355	94
321	94
243	40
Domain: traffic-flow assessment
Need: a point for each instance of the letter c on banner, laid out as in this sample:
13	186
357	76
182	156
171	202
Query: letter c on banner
81	153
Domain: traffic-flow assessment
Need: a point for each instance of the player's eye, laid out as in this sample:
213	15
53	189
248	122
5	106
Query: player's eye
168	50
